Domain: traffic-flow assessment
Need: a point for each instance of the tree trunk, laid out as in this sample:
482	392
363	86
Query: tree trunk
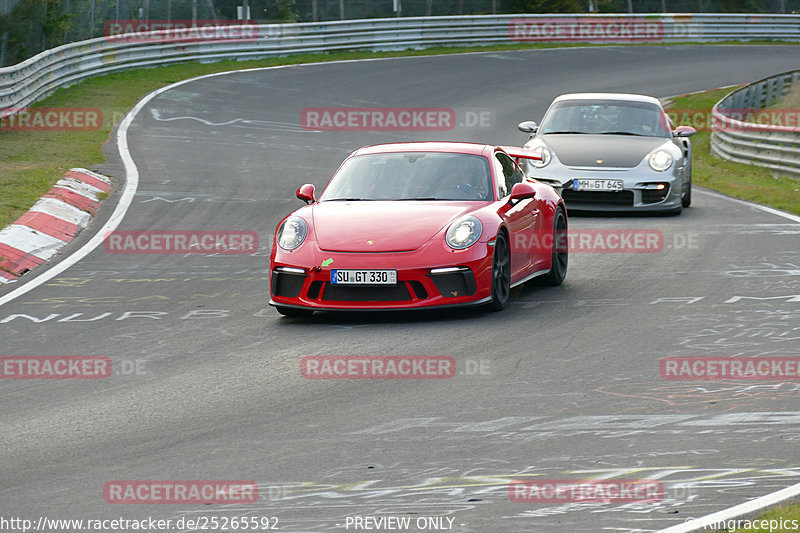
213	11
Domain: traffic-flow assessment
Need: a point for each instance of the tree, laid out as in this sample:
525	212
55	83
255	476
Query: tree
285	10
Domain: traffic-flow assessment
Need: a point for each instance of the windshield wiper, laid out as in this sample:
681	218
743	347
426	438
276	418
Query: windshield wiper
418	199
346	200
564	132
624	133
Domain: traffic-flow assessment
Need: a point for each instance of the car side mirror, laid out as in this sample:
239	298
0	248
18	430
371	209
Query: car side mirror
522	191
528	126
306	193
684	131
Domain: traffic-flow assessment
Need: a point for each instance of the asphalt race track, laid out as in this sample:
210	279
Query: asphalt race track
563	384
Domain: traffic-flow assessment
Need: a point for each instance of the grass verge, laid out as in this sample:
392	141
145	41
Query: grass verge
32	161
747	182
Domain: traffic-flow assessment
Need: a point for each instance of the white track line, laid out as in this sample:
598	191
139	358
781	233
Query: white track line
767	500
132	182
692	524
770	210
746	508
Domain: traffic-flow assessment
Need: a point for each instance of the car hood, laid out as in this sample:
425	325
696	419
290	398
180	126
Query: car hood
615	151
380	226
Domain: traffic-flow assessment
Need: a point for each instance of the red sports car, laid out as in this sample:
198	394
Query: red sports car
419	225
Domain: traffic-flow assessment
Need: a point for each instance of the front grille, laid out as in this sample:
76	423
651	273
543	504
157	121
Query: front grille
597	197
454	284
286	284
652	196
354	293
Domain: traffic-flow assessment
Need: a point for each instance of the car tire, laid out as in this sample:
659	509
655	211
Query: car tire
501	273
686	196
293	312
560	254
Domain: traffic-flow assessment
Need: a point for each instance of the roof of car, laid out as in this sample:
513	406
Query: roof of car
608	96
442	146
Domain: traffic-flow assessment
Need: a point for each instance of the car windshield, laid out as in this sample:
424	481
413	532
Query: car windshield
606	117
411	176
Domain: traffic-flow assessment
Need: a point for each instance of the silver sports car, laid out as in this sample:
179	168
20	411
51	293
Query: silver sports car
612	152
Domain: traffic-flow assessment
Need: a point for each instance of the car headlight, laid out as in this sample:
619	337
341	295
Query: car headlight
464	232
544	153
292	233
660	160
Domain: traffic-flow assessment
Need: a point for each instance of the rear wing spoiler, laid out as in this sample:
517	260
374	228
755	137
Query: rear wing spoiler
520	153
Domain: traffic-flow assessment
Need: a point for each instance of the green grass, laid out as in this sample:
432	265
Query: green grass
747	182
787	514
30	162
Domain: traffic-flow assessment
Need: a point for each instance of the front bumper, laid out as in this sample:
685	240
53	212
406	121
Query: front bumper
636	195
433	276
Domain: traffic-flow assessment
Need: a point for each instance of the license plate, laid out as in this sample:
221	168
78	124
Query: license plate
597	185
364	277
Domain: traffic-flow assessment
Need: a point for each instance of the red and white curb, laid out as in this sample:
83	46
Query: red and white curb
51	223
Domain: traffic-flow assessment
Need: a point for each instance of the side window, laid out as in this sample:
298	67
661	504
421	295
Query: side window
497	168
519	176
509	172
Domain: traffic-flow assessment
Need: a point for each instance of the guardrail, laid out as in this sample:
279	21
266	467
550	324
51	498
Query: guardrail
35	78
773	140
